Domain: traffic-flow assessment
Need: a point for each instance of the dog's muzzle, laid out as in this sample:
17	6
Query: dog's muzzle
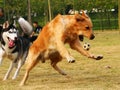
92	37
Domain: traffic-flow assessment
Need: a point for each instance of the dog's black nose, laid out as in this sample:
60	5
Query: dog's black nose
92	37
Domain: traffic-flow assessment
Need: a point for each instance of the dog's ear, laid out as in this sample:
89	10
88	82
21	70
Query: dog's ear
79	17
6	25
84	14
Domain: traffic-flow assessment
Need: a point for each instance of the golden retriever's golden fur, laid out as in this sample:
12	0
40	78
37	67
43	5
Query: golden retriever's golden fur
50	42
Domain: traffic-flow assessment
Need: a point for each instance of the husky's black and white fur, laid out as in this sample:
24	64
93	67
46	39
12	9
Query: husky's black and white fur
14	46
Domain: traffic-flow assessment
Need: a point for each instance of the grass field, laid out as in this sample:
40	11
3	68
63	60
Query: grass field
86	74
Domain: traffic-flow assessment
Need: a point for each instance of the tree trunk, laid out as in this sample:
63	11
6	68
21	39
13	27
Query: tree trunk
49	8
29	12
119	15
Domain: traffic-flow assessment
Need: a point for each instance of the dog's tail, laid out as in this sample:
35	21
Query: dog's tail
26	26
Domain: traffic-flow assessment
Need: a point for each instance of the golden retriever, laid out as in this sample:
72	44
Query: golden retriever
50	42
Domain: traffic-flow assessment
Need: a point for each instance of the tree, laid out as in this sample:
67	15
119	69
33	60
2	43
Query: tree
119	15
38	9
29	12
49	9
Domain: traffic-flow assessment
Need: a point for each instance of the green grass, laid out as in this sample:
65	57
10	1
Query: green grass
86	74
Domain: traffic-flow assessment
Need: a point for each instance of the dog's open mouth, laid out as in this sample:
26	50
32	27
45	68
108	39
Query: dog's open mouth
11	43
81	37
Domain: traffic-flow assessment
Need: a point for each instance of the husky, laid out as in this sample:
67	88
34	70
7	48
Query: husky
14	46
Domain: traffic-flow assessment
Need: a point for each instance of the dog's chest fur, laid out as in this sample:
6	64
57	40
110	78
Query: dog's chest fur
7	49
11	56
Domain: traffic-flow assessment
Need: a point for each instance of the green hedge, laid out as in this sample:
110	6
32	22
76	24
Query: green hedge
104	20
99	24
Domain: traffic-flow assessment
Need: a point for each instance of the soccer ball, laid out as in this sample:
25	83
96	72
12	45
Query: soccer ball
86	46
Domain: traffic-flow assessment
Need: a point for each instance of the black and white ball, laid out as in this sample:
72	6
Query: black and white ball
86	46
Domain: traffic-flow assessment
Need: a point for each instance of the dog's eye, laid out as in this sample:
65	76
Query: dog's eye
10	32
87	27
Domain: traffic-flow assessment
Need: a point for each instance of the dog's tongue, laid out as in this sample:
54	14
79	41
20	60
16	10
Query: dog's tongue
11	43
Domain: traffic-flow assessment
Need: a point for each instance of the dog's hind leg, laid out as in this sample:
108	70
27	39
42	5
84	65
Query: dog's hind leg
30	65
55	58
54	65
12	65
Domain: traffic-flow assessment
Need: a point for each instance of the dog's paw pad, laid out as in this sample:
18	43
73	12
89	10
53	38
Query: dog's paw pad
99	57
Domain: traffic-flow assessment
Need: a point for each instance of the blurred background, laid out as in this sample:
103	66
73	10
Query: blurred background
104	13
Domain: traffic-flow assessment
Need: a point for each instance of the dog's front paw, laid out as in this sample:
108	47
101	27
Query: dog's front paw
14	77
98	57
4	79
21	84
71	61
